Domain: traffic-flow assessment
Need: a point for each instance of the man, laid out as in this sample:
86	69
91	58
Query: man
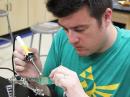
89	56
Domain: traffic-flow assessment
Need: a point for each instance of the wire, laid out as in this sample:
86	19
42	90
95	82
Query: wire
7	69
13	67
12	61
13	57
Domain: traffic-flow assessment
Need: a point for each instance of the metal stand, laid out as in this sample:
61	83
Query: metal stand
4	13
43	28
13	86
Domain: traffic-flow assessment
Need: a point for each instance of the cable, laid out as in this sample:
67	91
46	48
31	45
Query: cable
7	69
12	61
13	57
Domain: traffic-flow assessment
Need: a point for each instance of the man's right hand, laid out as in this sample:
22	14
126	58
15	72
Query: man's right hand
23	67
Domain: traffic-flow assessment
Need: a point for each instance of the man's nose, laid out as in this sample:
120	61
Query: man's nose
73	37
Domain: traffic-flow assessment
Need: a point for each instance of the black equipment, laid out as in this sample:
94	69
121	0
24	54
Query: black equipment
20	91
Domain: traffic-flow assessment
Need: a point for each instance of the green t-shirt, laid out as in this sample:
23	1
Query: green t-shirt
101	75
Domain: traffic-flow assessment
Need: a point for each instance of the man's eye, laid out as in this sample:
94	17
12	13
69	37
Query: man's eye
79	30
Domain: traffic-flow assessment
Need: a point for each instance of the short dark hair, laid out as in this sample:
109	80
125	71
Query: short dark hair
62	8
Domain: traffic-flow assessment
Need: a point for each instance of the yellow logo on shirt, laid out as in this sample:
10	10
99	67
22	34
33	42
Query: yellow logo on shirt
94	90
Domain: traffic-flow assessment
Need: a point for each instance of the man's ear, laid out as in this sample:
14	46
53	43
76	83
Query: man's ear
107	17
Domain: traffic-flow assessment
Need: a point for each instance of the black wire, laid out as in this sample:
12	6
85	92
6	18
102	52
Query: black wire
15	74
13	57
12	61
7	69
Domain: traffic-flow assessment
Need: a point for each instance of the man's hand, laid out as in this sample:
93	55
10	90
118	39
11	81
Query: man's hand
23	67
68	80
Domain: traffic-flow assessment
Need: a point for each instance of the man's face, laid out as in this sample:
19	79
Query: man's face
84	32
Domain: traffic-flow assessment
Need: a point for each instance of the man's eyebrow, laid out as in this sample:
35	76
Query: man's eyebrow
78	26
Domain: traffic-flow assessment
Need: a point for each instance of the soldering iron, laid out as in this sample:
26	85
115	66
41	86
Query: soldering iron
29	56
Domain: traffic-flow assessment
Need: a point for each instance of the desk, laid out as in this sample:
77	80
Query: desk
121	15
122	18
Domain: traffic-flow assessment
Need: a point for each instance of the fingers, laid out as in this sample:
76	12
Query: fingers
19	68
18	59
34	50
59	69
60	79
19	64
60	76
64	78
19	55
20	50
